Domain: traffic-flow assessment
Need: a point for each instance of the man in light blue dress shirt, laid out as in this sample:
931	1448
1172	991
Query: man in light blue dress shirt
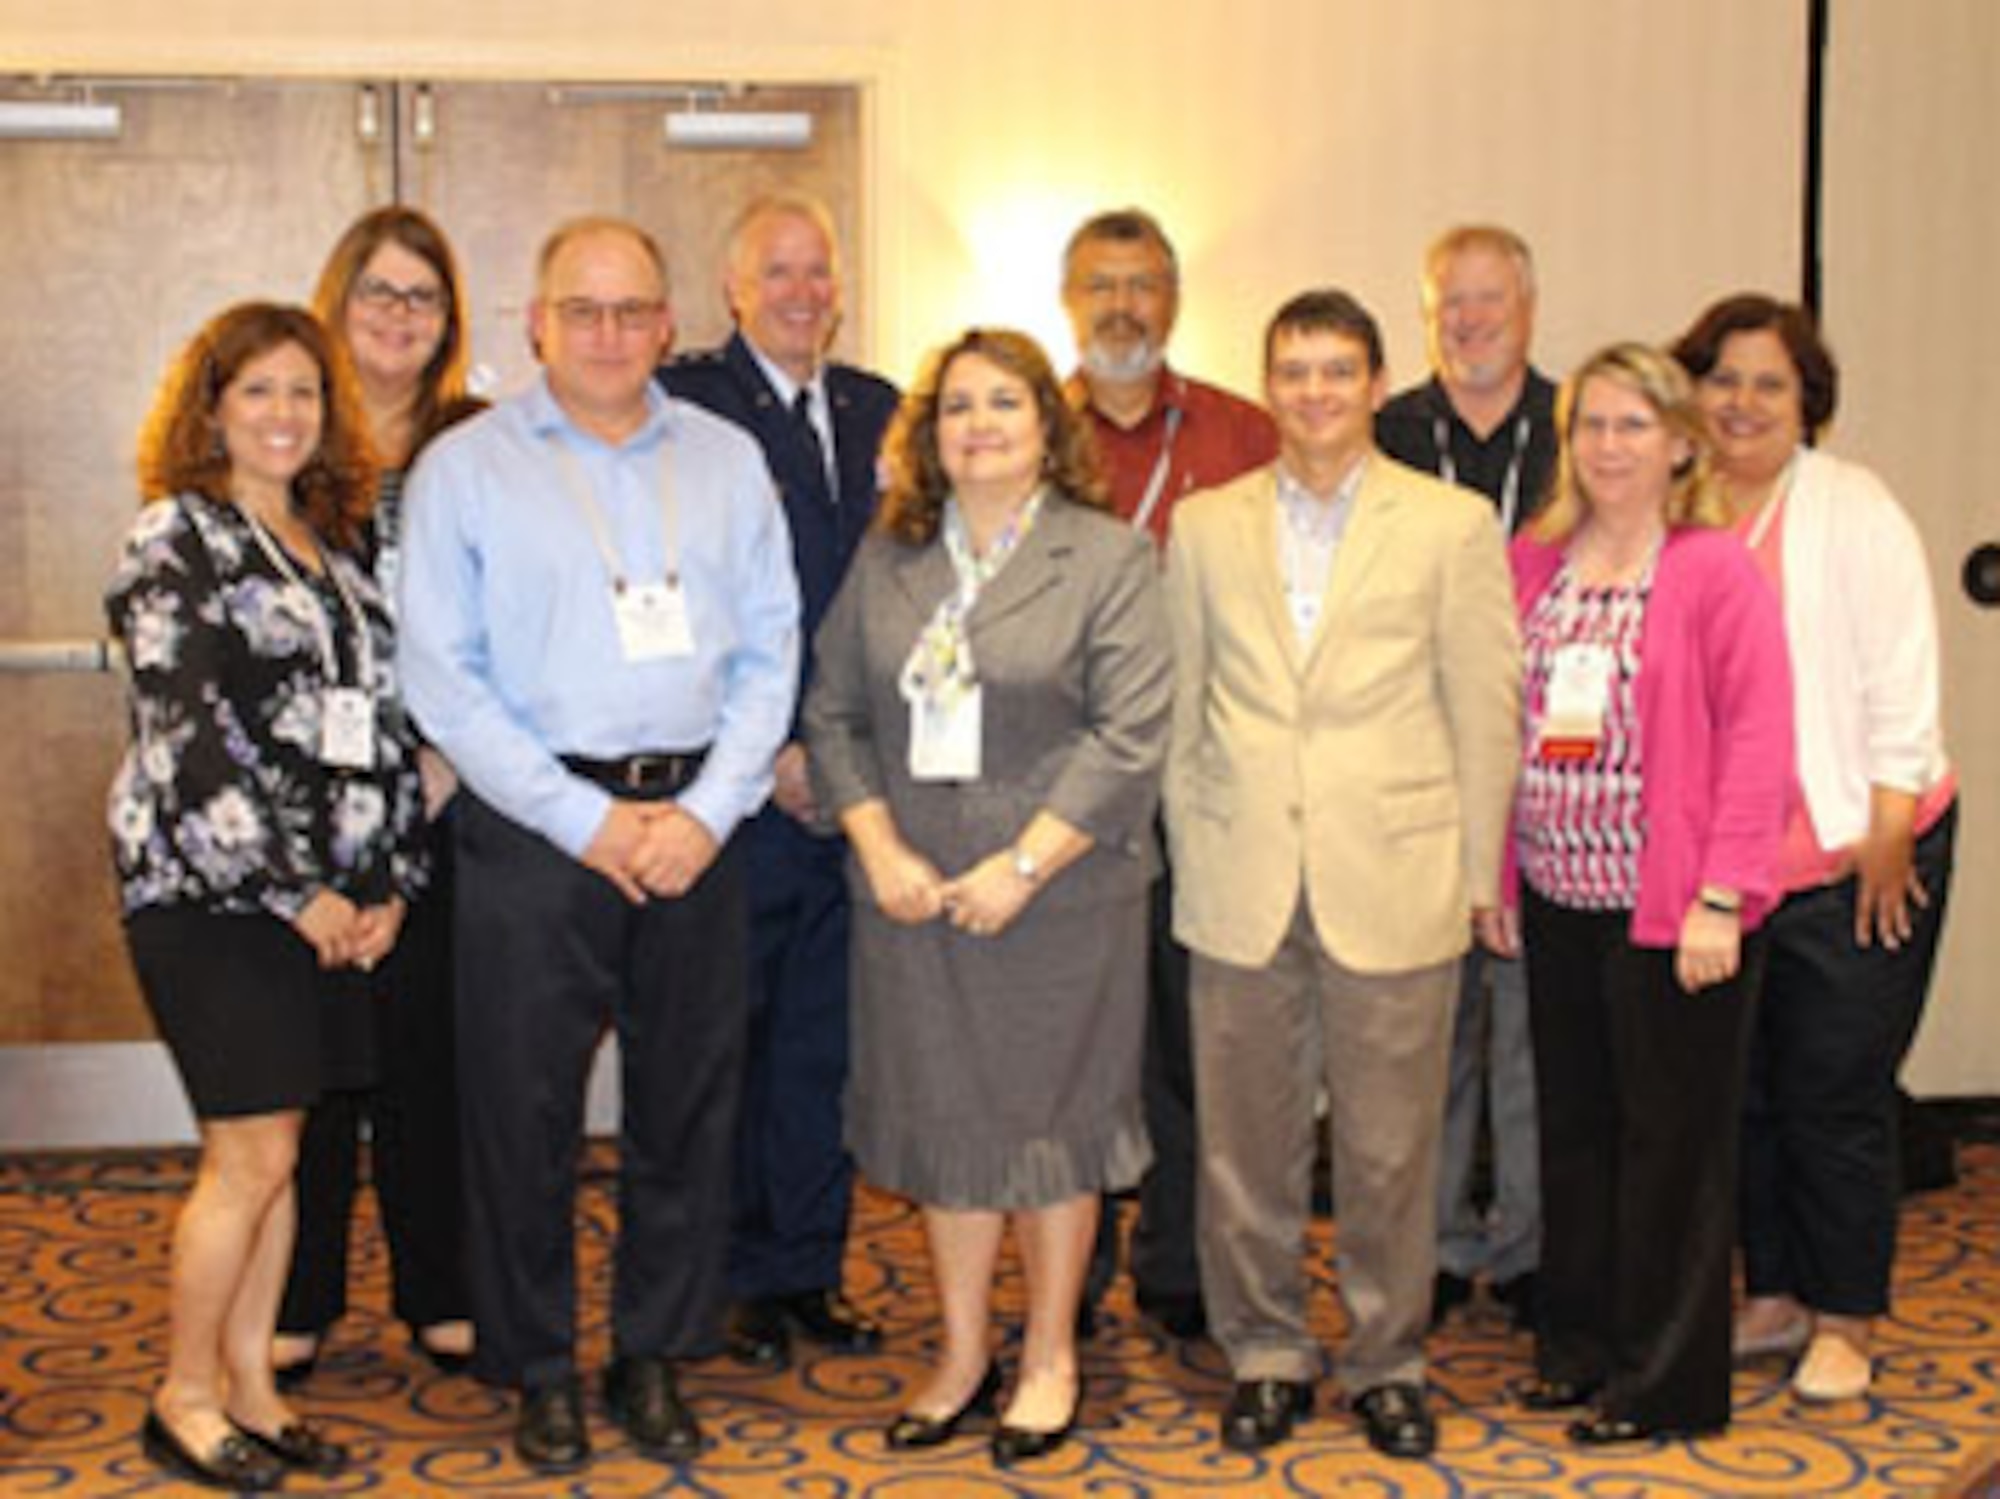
600	629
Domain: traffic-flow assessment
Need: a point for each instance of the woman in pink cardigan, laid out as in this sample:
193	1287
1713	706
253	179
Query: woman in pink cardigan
1657	739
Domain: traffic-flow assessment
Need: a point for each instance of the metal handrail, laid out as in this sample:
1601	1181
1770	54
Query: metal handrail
61	656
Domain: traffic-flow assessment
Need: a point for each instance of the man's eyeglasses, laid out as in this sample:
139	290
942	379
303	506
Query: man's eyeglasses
582	315
378	295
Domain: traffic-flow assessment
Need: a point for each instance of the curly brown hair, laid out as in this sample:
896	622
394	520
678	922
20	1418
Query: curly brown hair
181	451
913	504
442	398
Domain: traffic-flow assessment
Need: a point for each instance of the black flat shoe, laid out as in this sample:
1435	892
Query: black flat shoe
1023	1444
1554	1394
1262	1412
444	1360
911	1432
300	1446
236	1465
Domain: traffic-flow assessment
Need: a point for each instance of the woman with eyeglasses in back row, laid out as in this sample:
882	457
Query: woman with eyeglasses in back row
394	311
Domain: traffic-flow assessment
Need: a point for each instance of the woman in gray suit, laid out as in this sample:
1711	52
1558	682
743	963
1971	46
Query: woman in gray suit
988	725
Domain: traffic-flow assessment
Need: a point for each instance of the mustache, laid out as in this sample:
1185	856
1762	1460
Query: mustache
1120	323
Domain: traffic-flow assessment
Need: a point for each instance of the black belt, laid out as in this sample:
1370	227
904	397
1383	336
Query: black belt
656	774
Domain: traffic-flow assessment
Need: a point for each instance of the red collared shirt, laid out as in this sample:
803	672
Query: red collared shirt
1215	437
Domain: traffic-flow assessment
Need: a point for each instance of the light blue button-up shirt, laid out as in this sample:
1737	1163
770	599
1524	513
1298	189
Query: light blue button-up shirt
509	647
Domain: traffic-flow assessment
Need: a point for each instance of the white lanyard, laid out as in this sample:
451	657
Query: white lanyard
364	653
578	485
1510	488
1157	484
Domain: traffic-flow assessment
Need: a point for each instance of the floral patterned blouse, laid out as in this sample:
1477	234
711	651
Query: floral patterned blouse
223	802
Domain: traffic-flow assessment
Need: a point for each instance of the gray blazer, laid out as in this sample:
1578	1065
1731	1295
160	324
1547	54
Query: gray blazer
1071	646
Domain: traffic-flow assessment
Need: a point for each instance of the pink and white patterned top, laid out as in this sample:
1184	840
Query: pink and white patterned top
1579	818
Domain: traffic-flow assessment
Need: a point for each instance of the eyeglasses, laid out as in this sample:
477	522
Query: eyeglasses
1106	288
582	315
378	295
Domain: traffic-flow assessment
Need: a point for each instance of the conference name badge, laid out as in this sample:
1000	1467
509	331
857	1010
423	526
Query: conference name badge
1579	695
945	737
653	621
347	729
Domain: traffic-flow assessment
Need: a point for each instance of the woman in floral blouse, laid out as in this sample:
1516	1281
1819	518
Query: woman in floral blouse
262	826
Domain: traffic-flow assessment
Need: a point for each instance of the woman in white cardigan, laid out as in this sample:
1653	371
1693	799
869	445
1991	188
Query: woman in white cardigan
1868	851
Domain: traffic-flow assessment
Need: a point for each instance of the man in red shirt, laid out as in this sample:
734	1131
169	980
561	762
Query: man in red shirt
1162	436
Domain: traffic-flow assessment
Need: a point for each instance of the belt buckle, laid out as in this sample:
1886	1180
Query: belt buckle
643	770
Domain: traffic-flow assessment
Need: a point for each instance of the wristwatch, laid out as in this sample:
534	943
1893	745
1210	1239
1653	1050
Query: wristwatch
1724	902
1026	865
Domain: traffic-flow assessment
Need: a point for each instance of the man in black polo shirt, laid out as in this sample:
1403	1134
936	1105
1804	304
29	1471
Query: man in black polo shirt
1485	420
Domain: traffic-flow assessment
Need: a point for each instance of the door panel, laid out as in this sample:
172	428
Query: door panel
508	162
214	193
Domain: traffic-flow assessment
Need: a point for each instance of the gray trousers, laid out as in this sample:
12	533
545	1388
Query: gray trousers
1266	1041
1492	1076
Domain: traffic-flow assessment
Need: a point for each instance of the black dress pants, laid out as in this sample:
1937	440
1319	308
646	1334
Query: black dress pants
412	1116
1820	1149
1639	1085
549	954
1165	1263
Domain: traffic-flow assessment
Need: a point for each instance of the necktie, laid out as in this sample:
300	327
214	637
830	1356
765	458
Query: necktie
802	413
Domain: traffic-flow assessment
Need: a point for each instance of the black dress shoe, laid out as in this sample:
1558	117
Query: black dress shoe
1013	1445
910	1432
1262	1412
759	1336
549	1434
832	1321
644	1397
300	1445
1554	1394
1448	1293
1182	1317
236	1465
1398	1420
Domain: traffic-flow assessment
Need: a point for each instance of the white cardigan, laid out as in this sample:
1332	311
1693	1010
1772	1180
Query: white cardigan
1862	626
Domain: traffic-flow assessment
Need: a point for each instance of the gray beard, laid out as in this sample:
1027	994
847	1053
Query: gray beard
1146	358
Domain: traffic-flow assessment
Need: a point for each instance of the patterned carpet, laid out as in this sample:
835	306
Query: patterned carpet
82	1332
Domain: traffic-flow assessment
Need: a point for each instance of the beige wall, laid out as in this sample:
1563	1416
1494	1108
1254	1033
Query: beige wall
1912	221
1649	151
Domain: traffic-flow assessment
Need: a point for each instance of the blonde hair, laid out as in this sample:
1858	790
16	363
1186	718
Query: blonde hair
1455	241
1694	499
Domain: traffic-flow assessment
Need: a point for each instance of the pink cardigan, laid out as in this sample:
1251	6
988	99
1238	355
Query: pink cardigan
1715	717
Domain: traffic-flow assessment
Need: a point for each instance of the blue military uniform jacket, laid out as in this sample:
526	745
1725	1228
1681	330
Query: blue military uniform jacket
826	528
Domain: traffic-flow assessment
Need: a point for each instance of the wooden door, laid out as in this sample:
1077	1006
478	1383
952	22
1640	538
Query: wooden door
118	251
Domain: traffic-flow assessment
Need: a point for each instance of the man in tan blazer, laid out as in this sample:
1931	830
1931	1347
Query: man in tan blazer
1342	764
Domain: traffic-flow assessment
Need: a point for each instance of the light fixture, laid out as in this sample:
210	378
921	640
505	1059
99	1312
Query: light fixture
740	130
59	120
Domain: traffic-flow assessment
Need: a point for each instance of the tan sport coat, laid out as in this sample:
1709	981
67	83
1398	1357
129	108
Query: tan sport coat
1373	769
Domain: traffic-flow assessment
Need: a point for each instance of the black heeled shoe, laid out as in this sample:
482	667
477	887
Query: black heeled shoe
1023	1444
236	1465
912	1432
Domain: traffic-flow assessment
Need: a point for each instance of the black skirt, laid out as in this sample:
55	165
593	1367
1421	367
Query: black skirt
241	1002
